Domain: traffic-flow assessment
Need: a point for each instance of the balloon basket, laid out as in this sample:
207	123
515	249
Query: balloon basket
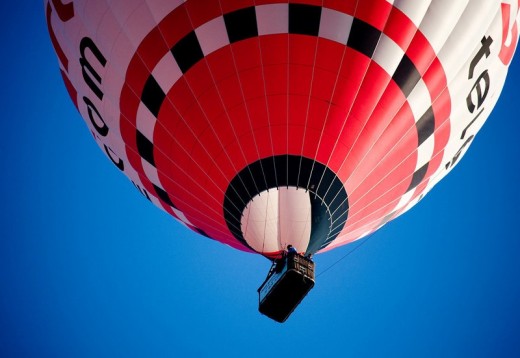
287	283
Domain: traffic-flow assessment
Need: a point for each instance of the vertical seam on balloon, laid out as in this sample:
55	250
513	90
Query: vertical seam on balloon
328	110
266	101
350	108
207	118
246	107
293	9
244	101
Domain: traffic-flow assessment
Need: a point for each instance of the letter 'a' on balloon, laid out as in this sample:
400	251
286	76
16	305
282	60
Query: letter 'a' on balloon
268	123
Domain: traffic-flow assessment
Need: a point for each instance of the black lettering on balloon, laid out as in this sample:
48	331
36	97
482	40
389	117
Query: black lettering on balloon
481	92
476	96
118	162
459	152
470	123
102	128
484	51
142	191
90	75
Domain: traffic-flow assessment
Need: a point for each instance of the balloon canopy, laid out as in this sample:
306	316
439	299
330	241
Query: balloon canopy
262	123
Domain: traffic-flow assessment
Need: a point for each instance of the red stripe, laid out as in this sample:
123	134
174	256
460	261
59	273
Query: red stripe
378	19
173	27
57	48
70	88
200	14
65	11
232	5
506	52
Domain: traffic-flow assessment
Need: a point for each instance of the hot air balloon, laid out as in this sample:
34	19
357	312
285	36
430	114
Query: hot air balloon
264	123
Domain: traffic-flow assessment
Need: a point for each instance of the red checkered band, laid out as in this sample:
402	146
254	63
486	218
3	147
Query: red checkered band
213	89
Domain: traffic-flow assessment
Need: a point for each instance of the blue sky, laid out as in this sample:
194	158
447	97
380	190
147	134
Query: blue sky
88	268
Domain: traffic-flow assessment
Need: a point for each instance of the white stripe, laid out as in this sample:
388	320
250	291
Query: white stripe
151	173
388	54
212	35
335	25
272	19
259	223
276	218
167	72
440	20
404	200
145	122
425	152
160	8
470	27
140	18
182	217
414	9
419	100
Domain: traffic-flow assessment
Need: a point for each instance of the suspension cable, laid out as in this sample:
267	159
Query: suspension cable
363	241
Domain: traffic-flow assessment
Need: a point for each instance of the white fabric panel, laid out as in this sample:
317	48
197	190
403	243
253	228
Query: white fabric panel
404	200
260	222
295	218
440	19
151	173
425	152
276	218
467	33
461	86
181	216
141	21
167	72
212	35
91	10
388	54
145	122
335	25
272	19
111	116
419	100
414	10
123	8
159	8
113	43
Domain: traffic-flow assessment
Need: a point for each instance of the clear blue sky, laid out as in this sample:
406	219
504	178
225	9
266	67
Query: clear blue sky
88	268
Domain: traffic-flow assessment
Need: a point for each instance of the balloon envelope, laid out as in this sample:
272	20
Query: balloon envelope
263	123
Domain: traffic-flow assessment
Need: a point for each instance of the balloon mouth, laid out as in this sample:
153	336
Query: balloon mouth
303	201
